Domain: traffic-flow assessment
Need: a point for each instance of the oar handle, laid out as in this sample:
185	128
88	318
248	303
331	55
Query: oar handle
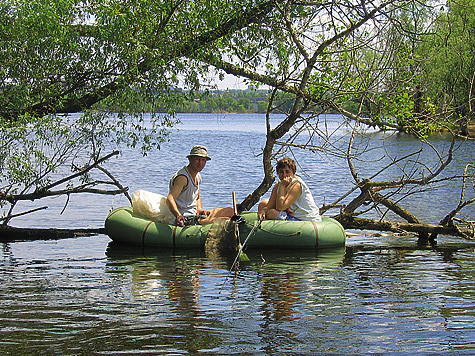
241	248
234	203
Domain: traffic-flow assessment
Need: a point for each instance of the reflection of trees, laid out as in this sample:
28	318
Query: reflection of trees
167	277
183	288
284	289
179	284
281	295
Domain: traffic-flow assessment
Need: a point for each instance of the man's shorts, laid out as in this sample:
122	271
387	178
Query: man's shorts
192	220
284	215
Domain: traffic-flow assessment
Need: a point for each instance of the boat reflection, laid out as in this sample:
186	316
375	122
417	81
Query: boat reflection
174	273
202	294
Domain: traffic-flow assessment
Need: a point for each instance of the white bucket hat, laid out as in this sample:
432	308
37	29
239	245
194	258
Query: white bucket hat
200	151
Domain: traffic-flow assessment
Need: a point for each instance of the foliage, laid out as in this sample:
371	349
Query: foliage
229	101
451	65
69	56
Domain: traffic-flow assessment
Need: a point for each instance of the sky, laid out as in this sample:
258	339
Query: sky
231	82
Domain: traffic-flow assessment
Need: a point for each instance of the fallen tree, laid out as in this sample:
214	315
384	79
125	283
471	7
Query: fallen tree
10	234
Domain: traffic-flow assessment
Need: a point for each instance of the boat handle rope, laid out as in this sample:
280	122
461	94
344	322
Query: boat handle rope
275	233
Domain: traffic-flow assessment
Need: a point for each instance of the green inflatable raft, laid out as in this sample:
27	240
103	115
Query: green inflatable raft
122	225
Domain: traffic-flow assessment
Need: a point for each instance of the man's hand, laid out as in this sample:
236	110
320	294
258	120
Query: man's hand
203	212
180	220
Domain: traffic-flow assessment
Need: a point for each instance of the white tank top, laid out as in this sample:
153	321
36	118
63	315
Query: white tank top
304	208
188	197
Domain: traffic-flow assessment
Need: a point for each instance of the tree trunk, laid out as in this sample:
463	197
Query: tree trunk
426	231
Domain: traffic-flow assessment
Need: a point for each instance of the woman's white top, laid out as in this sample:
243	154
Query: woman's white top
304	208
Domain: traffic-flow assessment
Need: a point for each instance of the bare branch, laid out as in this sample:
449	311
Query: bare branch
369	224
81	172
9	217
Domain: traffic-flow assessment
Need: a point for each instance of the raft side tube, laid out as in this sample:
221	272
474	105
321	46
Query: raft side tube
293	234
124	226
176	236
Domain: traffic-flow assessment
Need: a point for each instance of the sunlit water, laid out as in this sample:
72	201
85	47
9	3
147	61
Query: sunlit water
89	296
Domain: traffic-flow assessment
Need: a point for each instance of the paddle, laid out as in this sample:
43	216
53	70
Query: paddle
240	250
244	243
238	220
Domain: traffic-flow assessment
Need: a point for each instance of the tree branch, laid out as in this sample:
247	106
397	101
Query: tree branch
185	48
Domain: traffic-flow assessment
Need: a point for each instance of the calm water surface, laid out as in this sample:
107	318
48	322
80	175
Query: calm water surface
89	296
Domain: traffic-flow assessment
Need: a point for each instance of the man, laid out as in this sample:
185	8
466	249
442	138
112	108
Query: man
184	199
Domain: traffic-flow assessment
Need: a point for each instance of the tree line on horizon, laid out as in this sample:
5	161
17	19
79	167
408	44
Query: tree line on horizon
243	101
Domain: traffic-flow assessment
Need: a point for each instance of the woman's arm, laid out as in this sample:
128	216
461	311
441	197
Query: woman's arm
286	196
272	199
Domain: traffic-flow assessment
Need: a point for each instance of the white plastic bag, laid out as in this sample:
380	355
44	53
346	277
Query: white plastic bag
152	206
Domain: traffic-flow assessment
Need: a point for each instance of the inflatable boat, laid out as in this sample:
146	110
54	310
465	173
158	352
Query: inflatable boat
122	225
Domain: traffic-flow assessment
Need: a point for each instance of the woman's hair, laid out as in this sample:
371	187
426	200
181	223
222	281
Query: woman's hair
286	162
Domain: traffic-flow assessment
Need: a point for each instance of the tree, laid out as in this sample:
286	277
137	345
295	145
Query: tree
62	57
451	67
336	53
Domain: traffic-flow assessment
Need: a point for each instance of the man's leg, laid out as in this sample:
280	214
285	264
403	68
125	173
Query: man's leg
217	213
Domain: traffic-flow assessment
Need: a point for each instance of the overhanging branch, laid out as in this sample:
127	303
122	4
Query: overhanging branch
183	49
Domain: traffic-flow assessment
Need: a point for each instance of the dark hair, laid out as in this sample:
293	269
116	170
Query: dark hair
286	162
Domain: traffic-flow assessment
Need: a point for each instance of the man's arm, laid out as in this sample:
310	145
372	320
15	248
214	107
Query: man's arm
179	184
199	206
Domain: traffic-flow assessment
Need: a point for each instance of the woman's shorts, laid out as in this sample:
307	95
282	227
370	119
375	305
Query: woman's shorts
284	215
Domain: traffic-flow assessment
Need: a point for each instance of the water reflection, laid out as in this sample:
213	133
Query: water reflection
258	298
150	267
172	281
177	276
277	278
384	296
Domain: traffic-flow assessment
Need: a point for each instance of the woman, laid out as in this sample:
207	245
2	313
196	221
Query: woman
291	198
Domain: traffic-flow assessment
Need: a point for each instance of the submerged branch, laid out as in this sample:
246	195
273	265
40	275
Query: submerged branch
10	234
383	225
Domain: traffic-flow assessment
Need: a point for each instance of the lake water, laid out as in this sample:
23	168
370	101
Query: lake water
378	295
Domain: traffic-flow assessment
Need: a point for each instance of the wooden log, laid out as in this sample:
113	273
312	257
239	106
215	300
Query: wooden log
9	234
396	226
